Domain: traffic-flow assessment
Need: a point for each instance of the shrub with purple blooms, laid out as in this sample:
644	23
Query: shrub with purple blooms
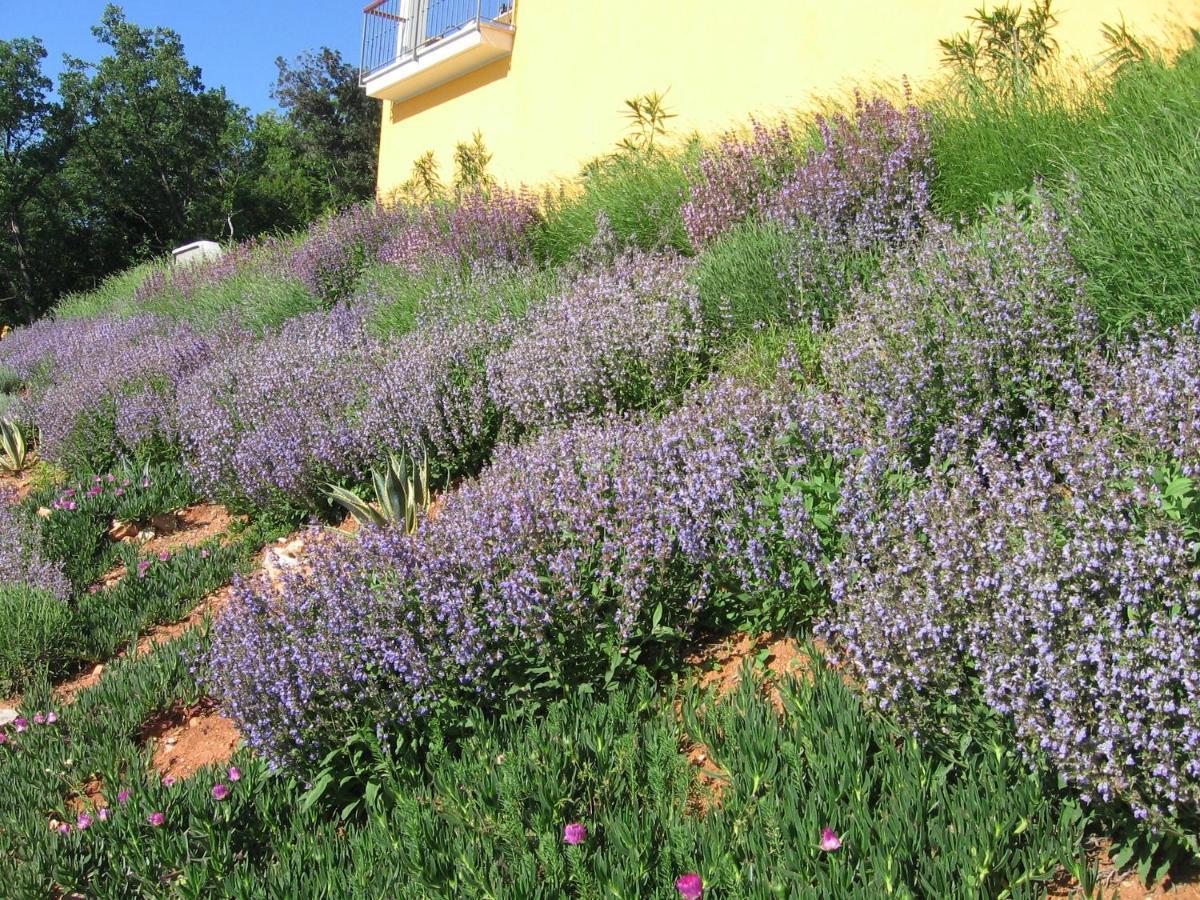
567	558
962	335
21	559
109	389
621	337
1061	578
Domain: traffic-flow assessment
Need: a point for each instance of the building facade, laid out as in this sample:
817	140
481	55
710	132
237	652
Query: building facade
544	81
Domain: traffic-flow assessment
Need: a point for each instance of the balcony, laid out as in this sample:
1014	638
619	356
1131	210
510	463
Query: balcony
412	46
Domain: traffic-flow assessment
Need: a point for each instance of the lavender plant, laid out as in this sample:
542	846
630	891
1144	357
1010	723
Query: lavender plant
622	337
1058	579
22	560
560	564
964	334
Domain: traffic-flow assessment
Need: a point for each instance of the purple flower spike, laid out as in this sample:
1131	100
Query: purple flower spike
575	833
156	819
220	791
829	840
690	886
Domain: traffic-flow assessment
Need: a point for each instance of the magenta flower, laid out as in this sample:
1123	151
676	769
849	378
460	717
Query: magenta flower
64	828
84	822
103	814
164	556
145	482
123	797
690	886
220	791
168	780
575	833
829	840
39	718
20	724
51	718
156	819
142	567
3	737
235	774
204	553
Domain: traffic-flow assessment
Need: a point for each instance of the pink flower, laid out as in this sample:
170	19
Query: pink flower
142	567
145	482
39	718
103	814
156	819
168	780
164	556
20	725
51	718
829	840
84	822
123	797
235	774
690	886
204	553
220	791
64	828
575	833
3	737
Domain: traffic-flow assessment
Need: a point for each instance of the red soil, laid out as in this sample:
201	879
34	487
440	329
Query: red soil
185	739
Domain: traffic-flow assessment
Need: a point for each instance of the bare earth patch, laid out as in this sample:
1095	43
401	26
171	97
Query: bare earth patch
718	666
188	527
15	487
185	739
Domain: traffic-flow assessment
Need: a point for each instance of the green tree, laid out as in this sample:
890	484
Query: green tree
34	137
336	123
156	152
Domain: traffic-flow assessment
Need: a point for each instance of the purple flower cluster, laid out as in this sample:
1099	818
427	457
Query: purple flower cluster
962	334
111	385
618	337
729	181
21	559
869	182
480	226
324	398
1061	577
560	551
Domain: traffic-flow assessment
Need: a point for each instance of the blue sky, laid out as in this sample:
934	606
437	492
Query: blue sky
234	42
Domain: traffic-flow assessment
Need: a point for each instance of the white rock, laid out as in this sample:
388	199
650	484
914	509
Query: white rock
7	716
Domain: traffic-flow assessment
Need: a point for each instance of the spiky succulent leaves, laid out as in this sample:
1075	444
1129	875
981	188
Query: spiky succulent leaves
13	455
362	511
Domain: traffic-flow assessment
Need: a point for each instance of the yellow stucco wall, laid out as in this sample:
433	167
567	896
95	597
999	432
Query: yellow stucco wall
556	102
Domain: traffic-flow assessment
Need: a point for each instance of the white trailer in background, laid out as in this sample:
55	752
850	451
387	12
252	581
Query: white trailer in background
196	251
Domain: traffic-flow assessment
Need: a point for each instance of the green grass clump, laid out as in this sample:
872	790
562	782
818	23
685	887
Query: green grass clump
742	278
114	296
1133	195
1119	157
634	198
34	626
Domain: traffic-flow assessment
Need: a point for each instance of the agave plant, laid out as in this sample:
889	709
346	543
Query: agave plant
401	493
13	452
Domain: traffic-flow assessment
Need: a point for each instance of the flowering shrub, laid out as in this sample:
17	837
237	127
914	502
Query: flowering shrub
867	183
22	561
620	337
323	398
1061	577
564	557
729	181
961	335
108	387
489	226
